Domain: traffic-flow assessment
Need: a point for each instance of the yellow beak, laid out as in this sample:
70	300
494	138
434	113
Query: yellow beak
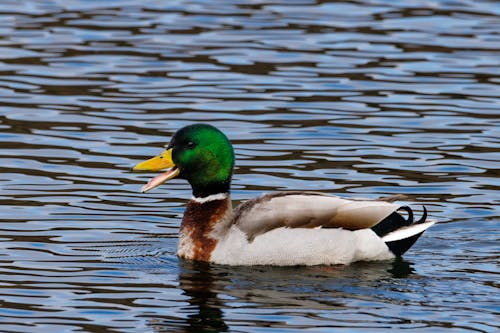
157	163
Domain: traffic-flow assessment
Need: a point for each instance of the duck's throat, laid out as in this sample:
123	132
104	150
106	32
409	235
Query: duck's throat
203	189
203	219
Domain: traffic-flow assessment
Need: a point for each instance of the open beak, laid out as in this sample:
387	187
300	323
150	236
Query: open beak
158	163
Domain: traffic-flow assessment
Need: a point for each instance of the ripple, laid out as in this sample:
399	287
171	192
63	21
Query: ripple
361	98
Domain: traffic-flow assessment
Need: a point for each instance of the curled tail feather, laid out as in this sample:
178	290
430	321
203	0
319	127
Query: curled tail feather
398	233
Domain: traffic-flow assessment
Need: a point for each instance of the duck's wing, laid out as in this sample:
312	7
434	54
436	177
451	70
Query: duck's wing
308	210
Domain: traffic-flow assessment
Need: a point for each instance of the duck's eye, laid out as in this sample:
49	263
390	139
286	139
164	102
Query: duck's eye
190	145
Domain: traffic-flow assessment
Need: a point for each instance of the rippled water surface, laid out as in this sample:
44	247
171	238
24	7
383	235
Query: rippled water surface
356	98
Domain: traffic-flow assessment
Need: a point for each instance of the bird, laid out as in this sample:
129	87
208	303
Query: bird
287	228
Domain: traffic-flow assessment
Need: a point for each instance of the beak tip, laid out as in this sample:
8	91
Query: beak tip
135	168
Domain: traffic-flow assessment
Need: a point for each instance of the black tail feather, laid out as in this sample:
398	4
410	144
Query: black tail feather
396	221
424	216
393	222
409	220
399	247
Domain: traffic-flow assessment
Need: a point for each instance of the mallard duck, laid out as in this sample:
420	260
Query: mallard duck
283	228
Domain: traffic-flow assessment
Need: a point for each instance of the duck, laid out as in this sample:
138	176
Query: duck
287	228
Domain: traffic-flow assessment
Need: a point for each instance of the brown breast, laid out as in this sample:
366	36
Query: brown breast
198	222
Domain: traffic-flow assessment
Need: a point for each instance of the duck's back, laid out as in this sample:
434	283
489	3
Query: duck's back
308	210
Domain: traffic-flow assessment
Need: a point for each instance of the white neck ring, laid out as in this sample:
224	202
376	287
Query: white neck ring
212	197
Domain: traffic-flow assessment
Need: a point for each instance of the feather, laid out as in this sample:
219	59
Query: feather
406	232
289	247
308	210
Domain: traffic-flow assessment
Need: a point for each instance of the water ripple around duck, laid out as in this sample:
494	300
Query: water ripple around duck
360	98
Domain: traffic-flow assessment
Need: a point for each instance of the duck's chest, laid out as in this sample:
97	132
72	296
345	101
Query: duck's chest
201	228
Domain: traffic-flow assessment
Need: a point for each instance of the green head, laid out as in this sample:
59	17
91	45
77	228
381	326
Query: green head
199	153
204	157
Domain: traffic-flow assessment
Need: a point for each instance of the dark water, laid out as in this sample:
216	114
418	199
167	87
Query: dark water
357	98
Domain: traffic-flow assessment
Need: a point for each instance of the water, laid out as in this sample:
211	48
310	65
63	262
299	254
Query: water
358	98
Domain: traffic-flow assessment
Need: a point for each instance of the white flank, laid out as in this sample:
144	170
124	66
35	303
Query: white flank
212	197
406	232
288	247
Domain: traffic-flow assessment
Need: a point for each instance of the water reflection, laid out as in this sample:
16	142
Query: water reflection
212	290
205	308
